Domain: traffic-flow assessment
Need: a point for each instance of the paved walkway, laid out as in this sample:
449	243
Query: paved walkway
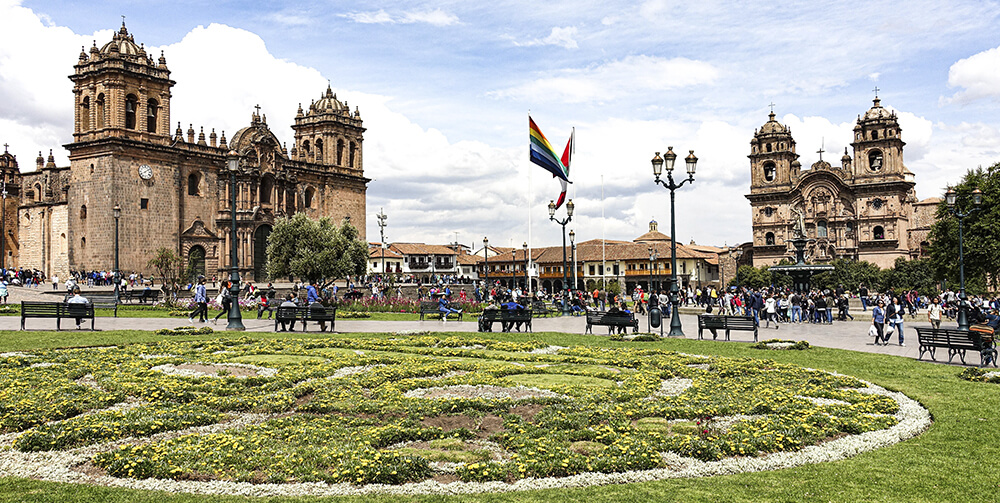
842	335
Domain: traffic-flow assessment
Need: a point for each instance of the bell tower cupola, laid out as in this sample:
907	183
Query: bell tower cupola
878	145
773	161
121	91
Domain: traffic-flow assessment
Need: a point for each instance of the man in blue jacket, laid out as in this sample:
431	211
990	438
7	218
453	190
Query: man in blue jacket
201	297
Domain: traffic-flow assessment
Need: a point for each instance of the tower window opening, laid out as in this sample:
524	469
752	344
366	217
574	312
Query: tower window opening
878	232
769	239
131	103
769	171
152	109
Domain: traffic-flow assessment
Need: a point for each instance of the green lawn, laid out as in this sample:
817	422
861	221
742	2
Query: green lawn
956	460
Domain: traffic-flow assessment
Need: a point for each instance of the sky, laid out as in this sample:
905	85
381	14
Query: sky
445	88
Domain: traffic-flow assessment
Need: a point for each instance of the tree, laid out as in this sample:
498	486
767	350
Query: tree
315	250
981	230
168	266
850	273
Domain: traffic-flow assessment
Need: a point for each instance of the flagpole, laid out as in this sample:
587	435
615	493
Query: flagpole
527	260
604	259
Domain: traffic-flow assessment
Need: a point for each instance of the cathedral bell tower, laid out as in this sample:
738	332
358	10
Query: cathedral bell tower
774	165
119	91
329	134
878	147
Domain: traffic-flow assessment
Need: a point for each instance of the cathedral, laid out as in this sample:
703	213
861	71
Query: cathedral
866	208
129	176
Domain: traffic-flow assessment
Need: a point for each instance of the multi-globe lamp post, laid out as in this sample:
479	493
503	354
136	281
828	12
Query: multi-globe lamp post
381	233
235	317
669	184
563	222
572	255
486	268
951	199
527	280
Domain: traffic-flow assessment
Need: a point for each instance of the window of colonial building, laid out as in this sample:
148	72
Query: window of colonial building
144	204
100	111
769	171
131	102
350	159
319	148
878	232
193	181
83	212
769	238
266	186
821	229
309	196
85	114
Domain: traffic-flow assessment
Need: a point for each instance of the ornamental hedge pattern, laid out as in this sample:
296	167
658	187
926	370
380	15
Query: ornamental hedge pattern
416	409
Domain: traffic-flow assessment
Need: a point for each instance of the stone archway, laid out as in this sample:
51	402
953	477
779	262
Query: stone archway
260	252
196	262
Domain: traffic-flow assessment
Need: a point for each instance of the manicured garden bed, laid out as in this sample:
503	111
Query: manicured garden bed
355	409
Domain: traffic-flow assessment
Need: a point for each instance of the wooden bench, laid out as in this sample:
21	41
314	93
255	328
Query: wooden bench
142	295
715	322
539	308
957	342
430	307
57	310
289	314
508	319
104	301
620	320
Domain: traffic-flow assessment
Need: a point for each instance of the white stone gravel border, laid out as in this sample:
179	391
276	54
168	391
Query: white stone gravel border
59	466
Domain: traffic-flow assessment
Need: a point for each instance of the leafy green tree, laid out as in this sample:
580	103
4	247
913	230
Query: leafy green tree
981	230
168	267
315	250
850	273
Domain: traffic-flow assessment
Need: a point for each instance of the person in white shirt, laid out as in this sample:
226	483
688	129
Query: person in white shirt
771	308
77	299
934	313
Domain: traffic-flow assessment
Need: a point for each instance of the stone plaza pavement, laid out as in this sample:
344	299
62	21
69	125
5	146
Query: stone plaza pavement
842	335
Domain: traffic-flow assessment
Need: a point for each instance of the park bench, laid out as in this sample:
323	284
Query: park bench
288	314
957	342
539	308
430	307
142	295
57	310
715	322
508	318
103	301
620	320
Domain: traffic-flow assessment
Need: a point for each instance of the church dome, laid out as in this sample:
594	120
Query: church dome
328	102
877	112
772	126
123	44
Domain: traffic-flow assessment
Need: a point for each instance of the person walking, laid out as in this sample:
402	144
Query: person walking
770	312
878	320
201	297
934	313
895	313
227	300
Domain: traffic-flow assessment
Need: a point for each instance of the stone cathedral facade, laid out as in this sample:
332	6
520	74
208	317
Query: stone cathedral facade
174	189
865	208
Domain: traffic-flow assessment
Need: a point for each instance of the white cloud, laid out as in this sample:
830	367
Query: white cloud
615	79
434	17
978	75
562	37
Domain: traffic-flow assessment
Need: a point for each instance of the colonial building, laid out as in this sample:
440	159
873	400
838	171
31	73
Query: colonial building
173	190
10	192
862	209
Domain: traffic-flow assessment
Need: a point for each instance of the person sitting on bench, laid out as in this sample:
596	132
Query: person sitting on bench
77	299
443	306
289	302
511	306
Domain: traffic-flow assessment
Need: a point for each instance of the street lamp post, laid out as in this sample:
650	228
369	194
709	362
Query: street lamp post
692	162
486	268
563	222
381	233
572	254
235	316
117	213
3	228
652	260
977	200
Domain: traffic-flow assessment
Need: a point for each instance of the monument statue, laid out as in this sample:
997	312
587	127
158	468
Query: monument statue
799	231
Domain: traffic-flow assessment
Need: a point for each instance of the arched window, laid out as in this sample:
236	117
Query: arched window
821	229
85	114
319	149
193	181
769	171
83	243
196	261
100	111
768	147
769	239
340	152
874	134
38	192
350	160
266	187
875	160
290	202
131	102
850	227
152	109
83	212
310	195
878	232
305	148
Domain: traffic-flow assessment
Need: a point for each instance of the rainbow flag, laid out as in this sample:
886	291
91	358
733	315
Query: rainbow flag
543	154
